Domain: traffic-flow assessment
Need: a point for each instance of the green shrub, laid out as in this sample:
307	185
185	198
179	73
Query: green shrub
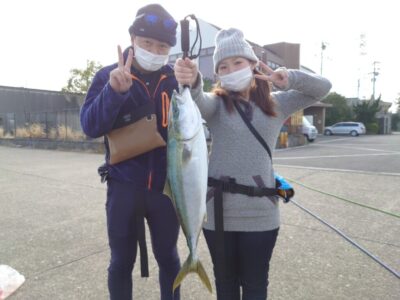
372	128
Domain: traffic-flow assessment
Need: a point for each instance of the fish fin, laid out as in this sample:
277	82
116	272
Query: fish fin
167	189
191	266
185	269
186	153
203	276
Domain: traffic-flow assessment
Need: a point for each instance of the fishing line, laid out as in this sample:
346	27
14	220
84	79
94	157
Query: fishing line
365	251
345	199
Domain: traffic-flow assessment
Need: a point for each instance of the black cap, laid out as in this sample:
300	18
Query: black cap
155	22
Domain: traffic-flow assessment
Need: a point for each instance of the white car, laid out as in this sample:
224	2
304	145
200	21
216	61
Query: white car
352	128
309	130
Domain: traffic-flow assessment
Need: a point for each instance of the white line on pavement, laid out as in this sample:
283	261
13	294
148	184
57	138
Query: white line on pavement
358	148
335	156
338	170
331	141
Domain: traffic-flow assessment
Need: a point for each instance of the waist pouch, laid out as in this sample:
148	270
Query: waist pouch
139	136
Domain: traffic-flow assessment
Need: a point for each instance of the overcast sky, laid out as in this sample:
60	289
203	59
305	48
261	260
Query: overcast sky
42	40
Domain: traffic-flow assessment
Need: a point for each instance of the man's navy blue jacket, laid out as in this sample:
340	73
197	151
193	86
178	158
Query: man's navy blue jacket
103	107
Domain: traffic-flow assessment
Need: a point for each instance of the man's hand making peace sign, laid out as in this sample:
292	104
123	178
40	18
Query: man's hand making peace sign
120	77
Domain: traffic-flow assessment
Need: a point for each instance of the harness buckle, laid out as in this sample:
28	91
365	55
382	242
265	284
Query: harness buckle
228	184
103	173
225	186
253	191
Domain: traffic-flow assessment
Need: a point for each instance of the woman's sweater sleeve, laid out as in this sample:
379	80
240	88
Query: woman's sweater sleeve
206	102
304	89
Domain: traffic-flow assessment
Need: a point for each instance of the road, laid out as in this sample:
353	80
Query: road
53	230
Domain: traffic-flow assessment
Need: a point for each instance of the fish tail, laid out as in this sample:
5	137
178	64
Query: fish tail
203	276
192	266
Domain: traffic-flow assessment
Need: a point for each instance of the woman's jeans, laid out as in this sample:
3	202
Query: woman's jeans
122	233
247	256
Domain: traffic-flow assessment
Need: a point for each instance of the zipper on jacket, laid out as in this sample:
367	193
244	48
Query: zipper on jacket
162	77
165	109
149	181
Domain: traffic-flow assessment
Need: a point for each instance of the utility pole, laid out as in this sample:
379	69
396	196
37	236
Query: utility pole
362	54
323	47
375	73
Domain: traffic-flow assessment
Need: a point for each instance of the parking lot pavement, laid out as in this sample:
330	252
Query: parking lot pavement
53	227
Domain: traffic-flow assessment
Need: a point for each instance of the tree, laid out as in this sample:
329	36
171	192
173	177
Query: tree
396	121
208	84
80	80
396	115
397	103
365	111
339	111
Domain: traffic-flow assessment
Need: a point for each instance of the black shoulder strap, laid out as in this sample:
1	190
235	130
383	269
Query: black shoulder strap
252	129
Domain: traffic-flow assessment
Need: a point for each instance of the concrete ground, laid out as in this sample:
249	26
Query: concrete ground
53	228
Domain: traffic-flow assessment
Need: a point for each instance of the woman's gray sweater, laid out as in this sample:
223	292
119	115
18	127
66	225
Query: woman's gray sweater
237	153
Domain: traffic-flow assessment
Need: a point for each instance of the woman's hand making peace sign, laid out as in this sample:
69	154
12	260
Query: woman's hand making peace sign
120	77
279	77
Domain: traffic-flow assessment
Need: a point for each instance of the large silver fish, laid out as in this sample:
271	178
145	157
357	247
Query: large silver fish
187	171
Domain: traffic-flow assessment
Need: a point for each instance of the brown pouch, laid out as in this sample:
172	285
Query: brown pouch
136	138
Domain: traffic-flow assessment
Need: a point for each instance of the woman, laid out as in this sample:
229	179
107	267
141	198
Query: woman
250	224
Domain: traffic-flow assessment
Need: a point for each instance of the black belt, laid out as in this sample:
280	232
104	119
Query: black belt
141	235
228	184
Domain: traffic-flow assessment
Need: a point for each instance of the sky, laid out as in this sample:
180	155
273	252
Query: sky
42	40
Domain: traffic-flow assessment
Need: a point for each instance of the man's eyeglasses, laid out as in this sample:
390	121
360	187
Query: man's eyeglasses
153	20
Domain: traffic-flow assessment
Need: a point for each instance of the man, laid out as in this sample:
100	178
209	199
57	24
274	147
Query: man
134	186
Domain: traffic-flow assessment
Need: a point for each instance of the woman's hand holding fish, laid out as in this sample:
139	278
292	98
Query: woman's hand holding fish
186	71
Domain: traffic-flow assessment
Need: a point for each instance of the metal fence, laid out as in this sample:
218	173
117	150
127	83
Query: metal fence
65	126
57	125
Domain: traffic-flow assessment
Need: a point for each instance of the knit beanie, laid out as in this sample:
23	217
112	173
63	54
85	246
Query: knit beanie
155	22
229	43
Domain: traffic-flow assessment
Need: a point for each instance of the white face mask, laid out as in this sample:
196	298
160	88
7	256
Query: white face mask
237	81
149	61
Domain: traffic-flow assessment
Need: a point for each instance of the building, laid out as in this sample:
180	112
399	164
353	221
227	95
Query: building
20	107
316	113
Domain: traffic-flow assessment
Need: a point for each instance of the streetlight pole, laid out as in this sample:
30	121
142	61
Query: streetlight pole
323	47
375	73
363	52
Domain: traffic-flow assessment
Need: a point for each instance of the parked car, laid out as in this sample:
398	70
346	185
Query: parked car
352	128
309	130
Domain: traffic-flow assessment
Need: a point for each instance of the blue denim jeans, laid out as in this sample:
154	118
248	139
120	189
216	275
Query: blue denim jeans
164	230
247	256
